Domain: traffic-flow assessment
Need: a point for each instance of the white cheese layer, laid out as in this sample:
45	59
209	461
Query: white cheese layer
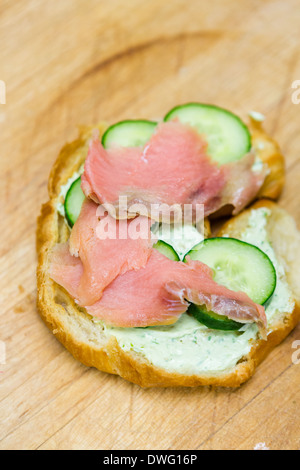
181	237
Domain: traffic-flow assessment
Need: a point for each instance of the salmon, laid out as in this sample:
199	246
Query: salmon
242	184
173	168
65	269
158	293
103	259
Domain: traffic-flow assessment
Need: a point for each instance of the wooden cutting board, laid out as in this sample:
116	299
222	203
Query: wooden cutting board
77	62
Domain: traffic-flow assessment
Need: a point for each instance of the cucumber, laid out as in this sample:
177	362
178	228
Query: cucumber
227	136
130	133
238	266
166	250
73	202
213	320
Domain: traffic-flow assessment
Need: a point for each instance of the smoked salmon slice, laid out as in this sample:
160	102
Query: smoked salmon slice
106	249
66	269
173	168
160	293
156	294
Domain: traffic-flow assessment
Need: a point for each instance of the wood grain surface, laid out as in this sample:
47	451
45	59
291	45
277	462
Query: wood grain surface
76	62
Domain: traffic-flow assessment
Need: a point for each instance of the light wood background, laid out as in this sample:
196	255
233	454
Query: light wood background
76	62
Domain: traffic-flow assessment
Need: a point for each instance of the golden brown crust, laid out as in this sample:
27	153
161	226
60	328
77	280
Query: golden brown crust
269	152
71	157
73	327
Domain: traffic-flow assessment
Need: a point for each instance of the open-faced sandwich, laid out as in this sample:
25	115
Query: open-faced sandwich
132	279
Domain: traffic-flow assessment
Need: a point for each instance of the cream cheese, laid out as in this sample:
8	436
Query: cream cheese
186	347
182	237
257	116
258	165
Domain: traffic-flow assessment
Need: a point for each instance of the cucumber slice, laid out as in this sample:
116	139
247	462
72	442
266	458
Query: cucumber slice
213	320
238	266
131	133
227	136
166	250
73	201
